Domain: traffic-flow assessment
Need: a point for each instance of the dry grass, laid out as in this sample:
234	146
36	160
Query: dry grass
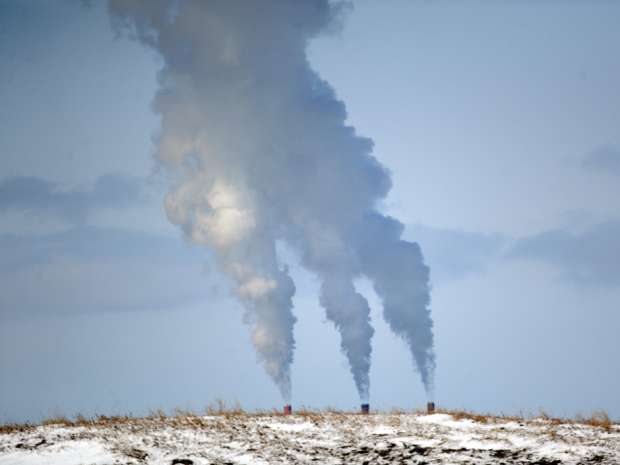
188	418
465	415
97	420
16	428
309	414
600	419
477	417
398	411
221	409
62	421
554	421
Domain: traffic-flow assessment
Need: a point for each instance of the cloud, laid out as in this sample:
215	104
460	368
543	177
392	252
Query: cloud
89	269
454	254
38	196
603	159
591	257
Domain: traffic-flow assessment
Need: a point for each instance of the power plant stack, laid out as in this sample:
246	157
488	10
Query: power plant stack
288	409
365	409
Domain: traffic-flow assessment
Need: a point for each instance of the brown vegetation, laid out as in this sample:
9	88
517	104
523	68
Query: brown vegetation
601	420
187	418
16	428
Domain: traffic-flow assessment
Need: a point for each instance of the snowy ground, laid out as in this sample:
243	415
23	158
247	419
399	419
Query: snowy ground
330	438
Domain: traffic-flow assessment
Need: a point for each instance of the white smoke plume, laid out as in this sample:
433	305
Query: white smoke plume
259	151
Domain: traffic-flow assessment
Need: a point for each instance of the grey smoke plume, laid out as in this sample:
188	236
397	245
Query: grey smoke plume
259	151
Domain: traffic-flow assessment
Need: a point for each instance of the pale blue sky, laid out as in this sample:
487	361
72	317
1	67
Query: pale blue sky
499	122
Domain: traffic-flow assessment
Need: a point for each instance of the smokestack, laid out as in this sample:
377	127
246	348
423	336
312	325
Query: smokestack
365	409
430	407
288	409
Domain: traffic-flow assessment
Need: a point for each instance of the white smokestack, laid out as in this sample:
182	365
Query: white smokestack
259	151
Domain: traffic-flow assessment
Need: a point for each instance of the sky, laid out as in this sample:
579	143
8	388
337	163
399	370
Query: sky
498	121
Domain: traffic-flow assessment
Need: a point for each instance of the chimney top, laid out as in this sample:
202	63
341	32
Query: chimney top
430	407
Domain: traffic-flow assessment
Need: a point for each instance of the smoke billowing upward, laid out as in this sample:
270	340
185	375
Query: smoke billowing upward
259	152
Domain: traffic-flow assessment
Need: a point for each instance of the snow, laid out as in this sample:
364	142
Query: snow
329	438
66	453
382	430
443	419
291	427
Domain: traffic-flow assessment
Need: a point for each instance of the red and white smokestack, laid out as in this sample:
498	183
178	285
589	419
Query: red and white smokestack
430	407
288	409
365	409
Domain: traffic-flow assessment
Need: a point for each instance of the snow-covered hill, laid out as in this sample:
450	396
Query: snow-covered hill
311	438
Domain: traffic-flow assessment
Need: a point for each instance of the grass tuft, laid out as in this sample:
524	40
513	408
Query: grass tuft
600	419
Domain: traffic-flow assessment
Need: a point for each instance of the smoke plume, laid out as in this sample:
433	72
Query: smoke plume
258	150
